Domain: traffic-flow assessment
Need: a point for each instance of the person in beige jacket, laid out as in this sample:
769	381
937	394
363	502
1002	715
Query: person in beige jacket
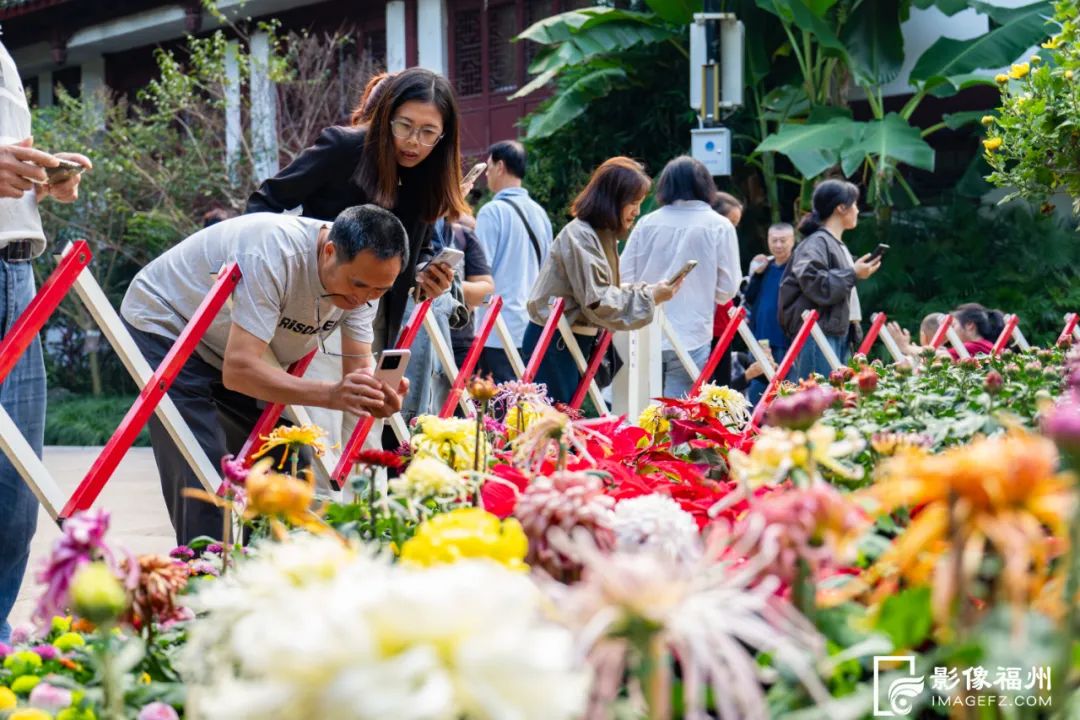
582	267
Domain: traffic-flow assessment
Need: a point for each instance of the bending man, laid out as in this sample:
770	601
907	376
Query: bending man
301	278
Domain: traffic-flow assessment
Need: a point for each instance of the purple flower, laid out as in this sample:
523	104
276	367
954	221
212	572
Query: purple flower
215	548
47	652
5	650
182	552
1062	424
233	471
49	697
82	542
157	711
21	634
802	409
203	567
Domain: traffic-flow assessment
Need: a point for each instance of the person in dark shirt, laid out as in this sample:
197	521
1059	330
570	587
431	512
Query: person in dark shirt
405	158
764	289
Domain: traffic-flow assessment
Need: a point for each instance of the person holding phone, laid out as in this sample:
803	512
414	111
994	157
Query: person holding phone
515	233
685	229
583	268
24	185
822	275
301	279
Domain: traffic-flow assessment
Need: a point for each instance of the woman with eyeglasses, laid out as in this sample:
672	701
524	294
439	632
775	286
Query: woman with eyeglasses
404	156
582	267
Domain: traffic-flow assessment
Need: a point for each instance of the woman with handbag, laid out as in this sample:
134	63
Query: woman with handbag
582	267
821	276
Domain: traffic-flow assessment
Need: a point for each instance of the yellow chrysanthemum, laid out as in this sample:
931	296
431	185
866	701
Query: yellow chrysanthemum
1053	43
452	440
728	406
653	421
1001	78
1035	60
279	498
29	714
1068	74
429	477
7	699
1019	71
292	437
519	417
778	451
467	533
993	144
988	120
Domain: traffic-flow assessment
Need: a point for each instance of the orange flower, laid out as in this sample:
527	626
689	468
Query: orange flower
1002	495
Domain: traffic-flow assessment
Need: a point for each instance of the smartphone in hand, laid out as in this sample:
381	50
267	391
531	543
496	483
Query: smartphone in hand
683	272
879	251
391	367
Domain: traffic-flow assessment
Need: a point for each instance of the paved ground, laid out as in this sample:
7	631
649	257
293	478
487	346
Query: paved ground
133	496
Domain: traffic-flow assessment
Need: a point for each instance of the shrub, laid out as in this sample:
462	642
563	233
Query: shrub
87	421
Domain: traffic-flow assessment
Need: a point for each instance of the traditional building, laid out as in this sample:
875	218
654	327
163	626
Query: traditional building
94	43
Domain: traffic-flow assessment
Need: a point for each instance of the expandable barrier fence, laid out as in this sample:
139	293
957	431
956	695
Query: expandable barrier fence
634	387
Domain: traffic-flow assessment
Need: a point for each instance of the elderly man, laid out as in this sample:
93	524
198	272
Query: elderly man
301	279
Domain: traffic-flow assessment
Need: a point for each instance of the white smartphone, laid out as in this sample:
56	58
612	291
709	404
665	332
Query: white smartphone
451	257
391	367
474	174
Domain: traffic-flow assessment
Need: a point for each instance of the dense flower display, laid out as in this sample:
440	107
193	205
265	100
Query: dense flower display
530	563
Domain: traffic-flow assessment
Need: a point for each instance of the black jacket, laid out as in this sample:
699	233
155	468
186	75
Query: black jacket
818	277
321	179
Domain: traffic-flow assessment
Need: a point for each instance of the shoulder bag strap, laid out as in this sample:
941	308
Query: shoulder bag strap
528	228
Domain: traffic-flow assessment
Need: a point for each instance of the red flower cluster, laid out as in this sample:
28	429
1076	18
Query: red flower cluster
379	458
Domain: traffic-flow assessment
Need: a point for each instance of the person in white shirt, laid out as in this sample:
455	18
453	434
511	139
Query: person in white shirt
685	228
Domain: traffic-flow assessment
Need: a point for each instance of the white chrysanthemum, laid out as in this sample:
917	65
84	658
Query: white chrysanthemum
728	406
656	522
347	636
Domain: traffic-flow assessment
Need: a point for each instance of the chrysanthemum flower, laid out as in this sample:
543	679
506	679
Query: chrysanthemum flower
293	438
710	617
728	406
467	533
657	523
778	453
451	440
1019	71
564	500
427	477
1003	494
155	598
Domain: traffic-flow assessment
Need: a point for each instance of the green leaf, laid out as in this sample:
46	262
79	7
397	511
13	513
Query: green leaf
820	7
813	147
955	121
785	102
892	137
874	42
948	57
906	618
800	14
677	12
572	102
949	7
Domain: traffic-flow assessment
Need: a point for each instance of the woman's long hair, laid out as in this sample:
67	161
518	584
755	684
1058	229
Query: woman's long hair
373	91
618	182
828	196
433	186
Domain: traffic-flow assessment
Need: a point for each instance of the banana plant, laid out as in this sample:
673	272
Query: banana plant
585	51
860	42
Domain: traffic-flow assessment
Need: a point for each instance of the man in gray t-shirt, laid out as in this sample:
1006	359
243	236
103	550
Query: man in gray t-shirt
301	278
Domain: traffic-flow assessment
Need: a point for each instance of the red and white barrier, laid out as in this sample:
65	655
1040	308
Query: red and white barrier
72	272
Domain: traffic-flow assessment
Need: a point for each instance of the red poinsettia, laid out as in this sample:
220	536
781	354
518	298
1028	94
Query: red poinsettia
499	496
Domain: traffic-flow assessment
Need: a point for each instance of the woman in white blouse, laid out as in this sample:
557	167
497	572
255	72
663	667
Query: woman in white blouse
685	228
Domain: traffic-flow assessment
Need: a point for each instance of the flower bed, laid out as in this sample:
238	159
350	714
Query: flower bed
892	541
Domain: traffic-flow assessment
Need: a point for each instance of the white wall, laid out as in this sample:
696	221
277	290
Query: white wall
431	35
395	35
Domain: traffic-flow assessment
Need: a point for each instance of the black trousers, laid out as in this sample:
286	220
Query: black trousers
221	421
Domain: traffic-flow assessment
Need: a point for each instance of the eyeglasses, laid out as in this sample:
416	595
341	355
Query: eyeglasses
404	130
322	334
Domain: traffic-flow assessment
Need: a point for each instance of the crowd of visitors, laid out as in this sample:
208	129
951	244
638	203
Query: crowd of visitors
340	245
